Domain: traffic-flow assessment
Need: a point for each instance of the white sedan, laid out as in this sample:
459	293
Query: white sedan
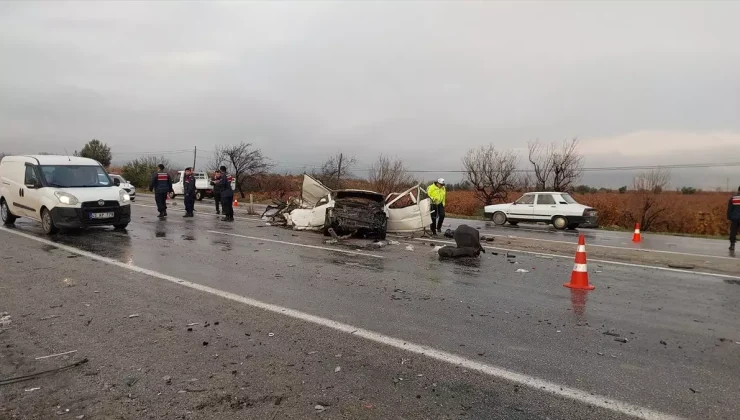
558	209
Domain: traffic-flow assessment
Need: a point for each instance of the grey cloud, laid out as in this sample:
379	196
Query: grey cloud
421	80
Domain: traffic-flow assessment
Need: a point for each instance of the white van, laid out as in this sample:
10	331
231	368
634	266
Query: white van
61	192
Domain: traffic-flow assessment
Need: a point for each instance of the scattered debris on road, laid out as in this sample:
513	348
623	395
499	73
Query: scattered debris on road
320	408
56	355
409	248
621	340
663	343
4	319
521	270
32	389
682	266
167	379
337	369
46	318
613	334
134	316
40	374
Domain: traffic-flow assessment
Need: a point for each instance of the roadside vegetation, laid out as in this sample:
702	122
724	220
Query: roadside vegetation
490	176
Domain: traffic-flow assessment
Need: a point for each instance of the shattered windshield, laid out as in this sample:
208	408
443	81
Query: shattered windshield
75	176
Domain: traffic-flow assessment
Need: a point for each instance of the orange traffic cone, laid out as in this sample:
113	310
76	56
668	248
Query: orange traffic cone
637	237
236	202
579	277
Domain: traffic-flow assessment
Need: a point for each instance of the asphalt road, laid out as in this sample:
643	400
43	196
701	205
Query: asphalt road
669	244
506	344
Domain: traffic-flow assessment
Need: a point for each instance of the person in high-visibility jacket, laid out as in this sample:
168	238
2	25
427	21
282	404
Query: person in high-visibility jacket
438	195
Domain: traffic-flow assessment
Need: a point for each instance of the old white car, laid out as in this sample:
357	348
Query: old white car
556	208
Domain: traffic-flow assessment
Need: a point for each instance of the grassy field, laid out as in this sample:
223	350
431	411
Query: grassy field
695	214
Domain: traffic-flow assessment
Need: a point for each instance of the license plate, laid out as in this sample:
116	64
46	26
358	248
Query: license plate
102	215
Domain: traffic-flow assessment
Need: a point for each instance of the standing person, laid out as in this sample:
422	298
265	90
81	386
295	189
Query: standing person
733	215
216	182
438	194
227	196
188	188
161	185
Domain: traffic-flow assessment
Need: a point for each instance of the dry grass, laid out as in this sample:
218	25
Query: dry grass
695	214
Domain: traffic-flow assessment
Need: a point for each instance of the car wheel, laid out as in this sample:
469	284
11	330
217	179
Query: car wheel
573	226
47	223
7	216
122	226
498	218
560	222
172	195
199	195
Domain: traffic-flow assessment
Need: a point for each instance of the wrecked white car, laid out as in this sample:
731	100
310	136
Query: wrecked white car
359	211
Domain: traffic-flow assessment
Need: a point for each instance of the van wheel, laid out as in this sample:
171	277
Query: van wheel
47	223
7	216
498	218
559	222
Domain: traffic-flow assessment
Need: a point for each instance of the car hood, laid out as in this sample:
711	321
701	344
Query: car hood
93	193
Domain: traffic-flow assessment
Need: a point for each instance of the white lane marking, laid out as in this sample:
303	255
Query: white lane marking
200	213
430	352
620	247
324	248
654	267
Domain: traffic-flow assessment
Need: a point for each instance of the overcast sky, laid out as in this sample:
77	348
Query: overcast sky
637	82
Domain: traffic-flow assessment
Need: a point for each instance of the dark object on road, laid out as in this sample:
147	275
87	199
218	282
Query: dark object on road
613	334
449	233
454	252
682	266
621	340
357	212
663	343
39	374
468	244
467	237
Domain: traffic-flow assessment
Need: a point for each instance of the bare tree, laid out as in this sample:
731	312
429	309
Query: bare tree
491	172
556	166
650	205
389	175
242	161
336	168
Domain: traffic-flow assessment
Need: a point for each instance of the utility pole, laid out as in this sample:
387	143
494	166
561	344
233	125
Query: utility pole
339	171
195	153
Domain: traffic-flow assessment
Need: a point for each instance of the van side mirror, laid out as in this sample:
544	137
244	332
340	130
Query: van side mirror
117	182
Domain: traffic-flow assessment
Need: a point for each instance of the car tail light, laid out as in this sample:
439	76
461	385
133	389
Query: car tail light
589	212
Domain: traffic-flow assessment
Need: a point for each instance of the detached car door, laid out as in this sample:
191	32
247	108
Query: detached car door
409	211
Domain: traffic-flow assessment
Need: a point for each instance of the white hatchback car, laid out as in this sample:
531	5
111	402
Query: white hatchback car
556	208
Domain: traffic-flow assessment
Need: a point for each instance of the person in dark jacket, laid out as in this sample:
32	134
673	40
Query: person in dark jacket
161	185
227	196
216	182
733	215
188	189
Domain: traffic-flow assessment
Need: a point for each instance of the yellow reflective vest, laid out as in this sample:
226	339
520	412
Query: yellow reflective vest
437	194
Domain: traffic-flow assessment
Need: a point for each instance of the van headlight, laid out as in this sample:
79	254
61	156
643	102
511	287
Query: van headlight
123	196
66	198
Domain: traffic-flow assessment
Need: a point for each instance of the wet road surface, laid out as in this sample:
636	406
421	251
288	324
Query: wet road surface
659	340
678	245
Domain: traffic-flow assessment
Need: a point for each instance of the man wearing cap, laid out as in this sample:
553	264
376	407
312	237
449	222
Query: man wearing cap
438	194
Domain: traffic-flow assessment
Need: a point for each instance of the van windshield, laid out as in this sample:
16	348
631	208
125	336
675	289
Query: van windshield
75	176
